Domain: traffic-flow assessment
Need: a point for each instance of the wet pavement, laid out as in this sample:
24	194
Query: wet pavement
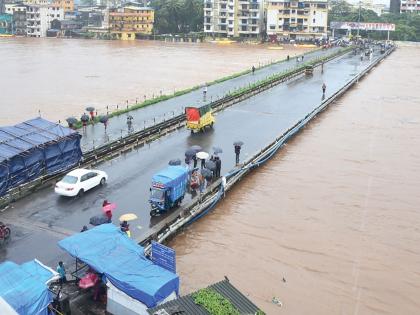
95	135
43	218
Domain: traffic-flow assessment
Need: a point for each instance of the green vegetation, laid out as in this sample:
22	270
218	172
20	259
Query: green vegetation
214	302
165	97
407	25
178	16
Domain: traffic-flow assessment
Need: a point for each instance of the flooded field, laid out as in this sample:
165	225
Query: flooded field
332	224
61	77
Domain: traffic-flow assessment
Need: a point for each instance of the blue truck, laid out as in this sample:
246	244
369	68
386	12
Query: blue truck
168	189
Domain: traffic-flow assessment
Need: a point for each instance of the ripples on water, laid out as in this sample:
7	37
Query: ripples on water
336	213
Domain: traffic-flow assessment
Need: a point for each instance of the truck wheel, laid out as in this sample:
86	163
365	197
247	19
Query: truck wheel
153	212
103	180
211	125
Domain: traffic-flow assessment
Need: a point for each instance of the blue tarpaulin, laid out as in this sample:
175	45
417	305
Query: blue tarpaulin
22	290
110	252
33	148
170	174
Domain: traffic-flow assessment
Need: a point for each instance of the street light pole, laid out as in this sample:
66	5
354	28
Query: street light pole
358	22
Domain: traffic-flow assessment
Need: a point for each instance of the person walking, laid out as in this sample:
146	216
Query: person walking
288	57
237	152
324	87
203	163
253	70
205	92
61	272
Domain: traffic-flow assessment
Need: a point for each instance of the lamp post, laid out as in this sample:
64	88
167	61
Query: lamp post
358	21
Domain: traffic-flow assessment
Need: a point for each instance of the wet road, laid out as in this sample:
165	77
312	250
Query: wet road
39	221
95	135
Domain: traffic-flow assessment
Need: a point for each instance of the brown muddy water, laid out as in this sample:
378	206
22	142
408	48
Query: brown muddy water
61	77
336	213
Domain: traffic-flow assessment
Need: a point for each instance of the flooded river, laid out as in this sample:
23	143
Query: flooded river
332	224
61	77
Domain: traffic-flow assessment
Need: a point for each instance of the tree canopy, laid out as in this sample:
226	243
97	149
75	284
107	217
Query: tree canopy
178	16
407	25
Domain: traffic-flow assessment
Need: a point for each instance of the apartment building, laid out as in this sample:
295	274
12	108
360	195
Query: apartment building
234	18
18	11
66	5
39	18
294	19
126	22
410	6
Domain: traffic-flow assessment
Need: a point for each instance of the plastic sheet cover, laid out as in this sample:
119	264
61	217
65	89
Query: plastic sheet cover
110	252
33	148
24	293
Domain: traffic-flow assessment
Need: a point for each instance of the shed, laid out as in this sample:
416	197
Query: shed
33	148
186	306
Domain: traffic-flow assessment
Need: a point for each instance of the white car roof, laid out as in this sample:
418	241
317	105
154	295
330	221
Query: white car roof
79	172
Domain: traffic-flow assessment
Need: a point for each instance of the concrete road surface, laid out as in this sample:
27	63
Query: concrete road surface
43	218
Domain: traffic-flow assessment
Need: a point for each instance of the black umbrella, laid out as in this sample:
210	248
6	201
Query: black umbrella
207	173
238	143
210	165
217	150
71	121
196	148
103	119
98	219
129	117
175	162
190	153
90	109
85	118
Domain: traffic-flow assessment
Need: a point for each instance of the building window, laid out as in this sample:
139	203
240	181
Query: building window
313	20
272	27
254	29
314	12
208	27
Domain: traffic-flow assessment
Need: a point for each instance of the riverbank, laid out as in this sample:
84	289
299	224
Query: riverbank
61	77
334	227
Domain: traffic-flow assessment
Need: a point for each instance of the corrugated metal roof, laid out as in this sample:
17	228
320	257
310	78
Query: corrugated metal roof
186	306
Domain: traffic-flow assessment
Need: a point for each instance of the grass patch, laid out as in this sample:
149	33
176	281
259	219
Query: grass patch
165	97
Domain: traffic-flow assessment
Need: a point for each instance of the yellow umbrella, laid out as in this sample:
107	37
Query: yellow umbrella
128	217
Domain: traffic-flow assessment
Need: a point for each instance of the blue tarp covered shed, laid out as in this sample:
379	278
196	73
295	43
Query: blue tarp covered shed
33	148
23	288
110	252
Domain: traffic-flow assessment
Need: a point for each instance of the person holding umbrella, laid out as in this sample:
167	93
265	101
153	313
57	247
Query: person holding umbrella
85	120
237	145
91	110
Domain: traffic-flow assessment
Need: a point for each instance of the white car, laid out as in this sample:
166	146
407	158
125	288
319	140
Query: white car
78	181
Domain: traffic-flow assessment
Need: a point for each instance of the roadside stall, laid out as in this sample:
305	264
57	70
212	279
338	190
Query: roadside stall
133	282
24	288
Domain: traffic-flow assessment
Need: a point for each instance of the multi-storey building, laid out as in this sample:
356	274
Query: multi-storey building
295	19
410	6
394	6
66	5
233	18
39	18
126	22
18	10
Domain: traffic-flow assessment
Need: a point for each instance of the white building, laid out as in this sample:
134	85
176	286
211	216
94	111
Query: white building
39	18
297	19
234	18
410	6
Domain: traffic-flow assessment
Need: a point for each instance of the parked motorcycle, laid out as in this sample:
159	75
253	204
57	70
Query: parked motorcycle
5	232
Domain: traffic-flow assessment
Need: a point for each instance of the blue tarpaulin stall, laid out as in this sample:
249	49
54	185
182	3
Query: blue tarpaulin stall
33	148
110	252
23	288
